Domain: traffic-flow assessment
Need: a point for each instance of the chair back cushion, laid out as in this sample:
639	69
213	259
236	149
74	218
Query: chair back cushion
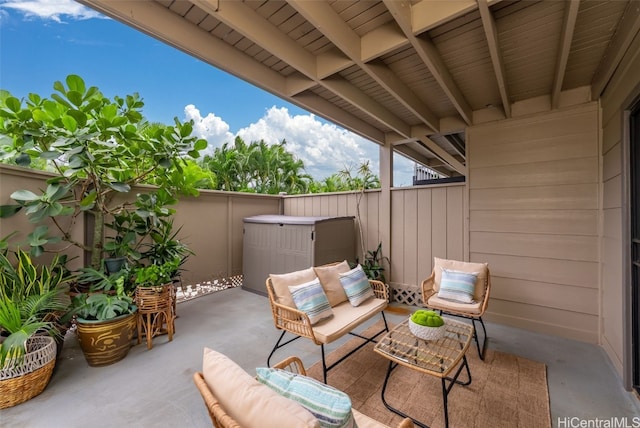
281	283
480	269
246	400
330	280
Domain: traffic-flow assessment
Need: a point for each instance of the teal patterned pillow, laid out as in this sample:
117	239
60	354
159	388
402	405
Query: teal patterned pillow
329	405
311	299
457	286
356	286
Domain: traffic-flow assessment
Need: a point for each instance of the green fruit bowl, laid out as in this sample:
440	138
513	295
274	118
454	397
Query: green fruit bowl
426	333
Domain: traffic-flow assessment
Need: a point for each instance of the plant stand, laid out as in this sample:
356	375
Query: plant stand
156	313
29	378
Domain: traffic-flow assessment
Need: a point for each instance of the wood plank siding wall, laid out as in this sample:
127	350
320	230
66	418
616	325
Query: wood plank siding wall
621	93
533	216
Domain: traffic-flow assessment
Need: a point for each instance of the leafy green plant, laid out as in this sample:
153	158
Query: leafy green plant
372	265
156	274
104	306
99	148
164	245
32	300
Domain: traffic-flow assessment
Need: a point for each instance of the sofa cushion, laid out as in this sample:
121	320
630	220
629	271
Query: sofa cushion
356	286
436	302
457	286
329	405
481	269
330	280
246	400
345	318
311	299
281	283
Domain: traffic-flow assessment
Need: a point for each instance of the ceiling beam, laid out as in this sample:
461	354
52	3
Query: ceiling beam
159	22
382	40
415	156
403	14
627	29
491	34
247	22
326	20
428	14
568	27
418	132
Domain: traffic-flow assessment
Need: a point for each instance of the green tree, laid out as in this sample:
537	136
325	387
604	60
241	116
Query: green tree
257	167
348	179
99	147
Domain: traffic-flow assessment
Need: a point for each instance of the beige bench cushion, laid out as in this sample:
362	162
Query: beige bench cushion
478	268
436	302
281	283
246	400
346	318
329	277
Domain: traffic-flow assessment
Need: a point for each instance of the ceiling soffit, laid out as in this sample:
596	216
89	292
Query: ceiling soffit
399	71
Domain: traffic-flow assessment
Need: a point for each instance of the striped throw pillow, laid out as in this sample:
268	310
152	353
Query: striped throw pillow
457	286
329	405
356	286
311	299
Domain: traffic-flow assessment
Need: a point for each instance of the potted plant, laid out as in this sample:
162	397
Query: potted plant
427	325
31	302
105	320
155	296
156	276
44	287
120	245
164	246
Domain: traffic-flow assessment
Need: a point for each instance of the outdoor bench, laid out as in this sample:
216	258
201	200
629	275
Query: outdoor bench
344	318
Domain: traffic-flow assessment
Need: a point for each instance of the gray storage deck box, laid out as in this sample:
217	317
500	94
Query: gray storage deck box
281	244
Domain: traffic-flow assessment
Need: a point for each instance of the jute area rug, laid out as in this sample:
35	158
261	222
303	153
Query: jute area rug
506	390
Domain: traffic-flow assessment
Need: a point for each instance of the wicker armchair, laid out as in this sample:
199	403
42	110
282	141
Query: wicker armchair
221	419
430	289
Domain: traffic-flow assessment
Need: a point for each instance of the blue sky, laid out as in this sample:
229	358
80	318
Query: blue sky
42	41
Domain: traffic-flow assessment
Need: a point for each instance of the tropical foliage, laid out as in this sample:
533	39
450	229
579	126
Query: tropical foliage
257	167
100	148
32	300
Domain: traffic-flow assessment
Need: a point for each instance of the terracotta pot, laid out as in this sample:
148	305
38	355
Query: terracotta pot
106	342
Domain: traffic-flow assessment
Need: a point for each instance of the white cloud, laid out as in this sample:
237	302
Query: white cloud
323	147
54	10
211	128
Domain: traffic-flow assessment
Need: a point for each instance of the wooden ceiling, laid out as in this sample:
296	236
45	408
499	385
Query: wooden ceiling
413	74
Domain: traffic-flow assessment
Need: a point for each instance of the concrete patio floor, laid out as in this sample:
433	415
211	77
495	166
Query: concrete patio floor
153	388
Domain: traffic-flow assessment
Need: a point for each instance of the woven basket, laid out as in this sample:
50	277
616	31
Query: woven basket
22	382
425	332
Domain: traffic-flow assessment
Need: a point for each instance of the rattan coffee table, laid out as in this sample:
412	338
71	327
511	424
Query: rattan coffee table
439	358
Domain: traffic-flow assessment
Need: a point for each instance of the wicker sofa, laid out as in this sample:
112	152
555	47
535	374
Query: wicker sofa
234	399
345	316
